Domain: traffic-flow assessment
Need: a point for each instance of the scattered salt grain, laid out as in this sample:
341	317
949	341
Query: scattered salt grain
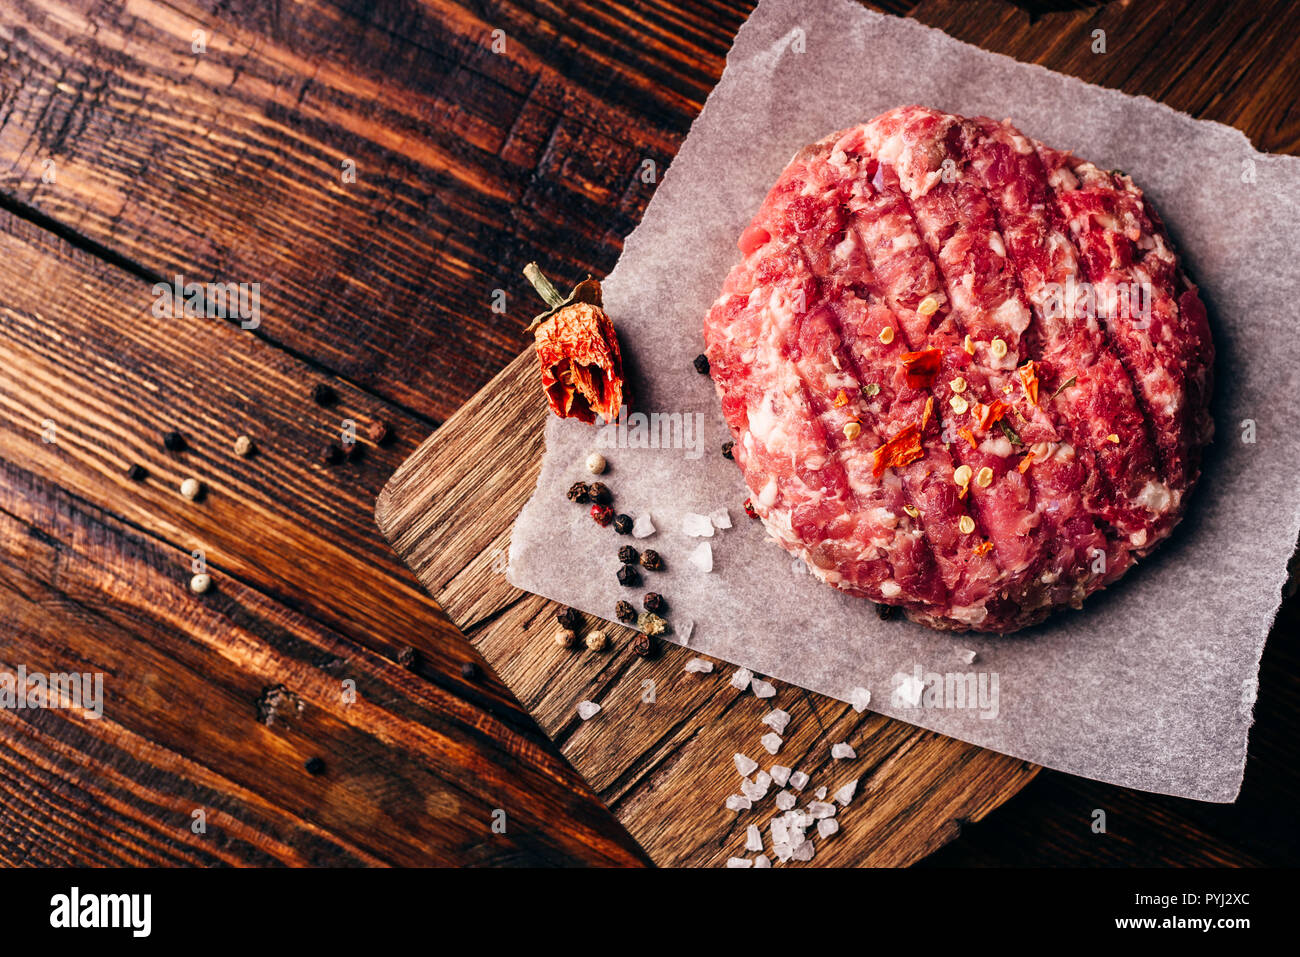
739	862
699	666
797	837
785	801
744	764
684	629
763	689
776	719
966	656
909	690
820	809
842	750
696	525
821	794
643	527
798	780
753	838
763	778
845	794
860	698
783	851
738	802
753	790
702	557
762	861
804	852
827	826
720	518
771	741
780	774
780	834
741	679
587	709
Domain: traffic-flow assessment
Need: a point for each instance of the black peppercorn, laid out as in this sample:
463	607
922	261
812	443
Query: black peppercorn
469	671
629	576
702	364
137	473
600	493
886	612
323	394
628	555
315	766
645	646
651	561
173	441
623	524
379	432
726	449
408	658
331	454
654	602
569	618
625	612
579	492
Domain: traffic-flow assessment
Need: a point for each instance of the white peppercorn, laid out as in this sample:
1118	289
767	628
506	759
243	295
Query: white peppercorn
191	488
595	463
200	583
596	640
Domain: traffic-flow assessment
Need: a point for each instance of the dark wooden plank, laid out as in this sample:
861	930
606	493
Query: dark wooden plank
663	766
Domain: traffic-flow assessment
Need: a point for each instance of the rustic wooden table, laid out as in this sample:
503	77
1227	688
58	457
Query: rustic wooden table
382	170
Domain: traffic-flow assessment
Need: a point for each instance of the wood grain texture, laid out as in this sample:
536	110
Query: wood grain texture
663	765
226	166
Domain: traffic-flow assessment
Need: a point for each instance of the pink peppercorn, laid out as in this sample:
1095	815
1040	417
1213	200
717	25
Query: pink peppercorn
602	515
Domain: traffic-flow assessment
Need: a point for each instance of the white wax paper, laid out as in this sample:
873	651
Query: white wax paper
1153	683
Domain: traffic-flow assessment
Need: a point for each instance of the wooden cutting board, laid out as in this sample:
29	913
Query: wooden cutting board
664	767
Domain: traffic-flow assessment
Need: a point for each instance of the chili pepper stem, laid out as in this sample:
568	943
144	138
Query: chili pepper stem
545	288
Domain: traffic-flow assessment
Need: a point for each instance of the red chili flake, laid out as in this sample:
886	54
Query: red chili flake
1029	376
582	367
902	449
1027	461
602	515
841	400
983	548
927	412
749	509
992	413
969	436
921	367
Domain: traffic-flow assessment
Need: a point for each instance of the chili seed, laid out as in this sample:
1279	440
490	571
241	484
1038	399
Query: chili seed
623	524
600	493
625	612
331	454
645	646
726	449
702	364
137	473
628	576
323	394
628	555
173	441
602	515
315	766
596	640
654	602
651	561
579	492
569	618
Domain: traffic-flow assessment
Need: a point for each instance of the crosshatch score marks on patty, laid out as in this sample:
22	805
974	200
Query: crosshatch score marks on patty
965	372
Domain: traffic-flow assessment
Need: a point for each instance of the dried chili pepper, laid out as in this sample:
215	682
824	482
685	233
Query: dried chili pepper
992	413
582	367
903	449
1029	376
921	367
968	435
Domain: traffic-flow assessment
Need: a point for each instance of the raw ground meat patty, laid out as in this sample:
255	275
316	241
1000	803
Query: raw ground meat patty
945	390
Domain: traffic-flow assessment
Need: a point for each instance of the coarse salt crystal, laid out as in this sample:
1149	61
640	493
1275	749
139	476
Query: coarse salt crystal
753	838
860	698
762	861
763	689
783	851
821	794
741	679
738	802
699	666
763	778
780	834
753	790
804	852
780	774
744	764
739	862
827	826
842	750
696	525
800	819
702	557
820	809
909	690
845	794
797	836
720	518
785	800
587	709
771	741
798	780
643	527
966	655
684	629
776	719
